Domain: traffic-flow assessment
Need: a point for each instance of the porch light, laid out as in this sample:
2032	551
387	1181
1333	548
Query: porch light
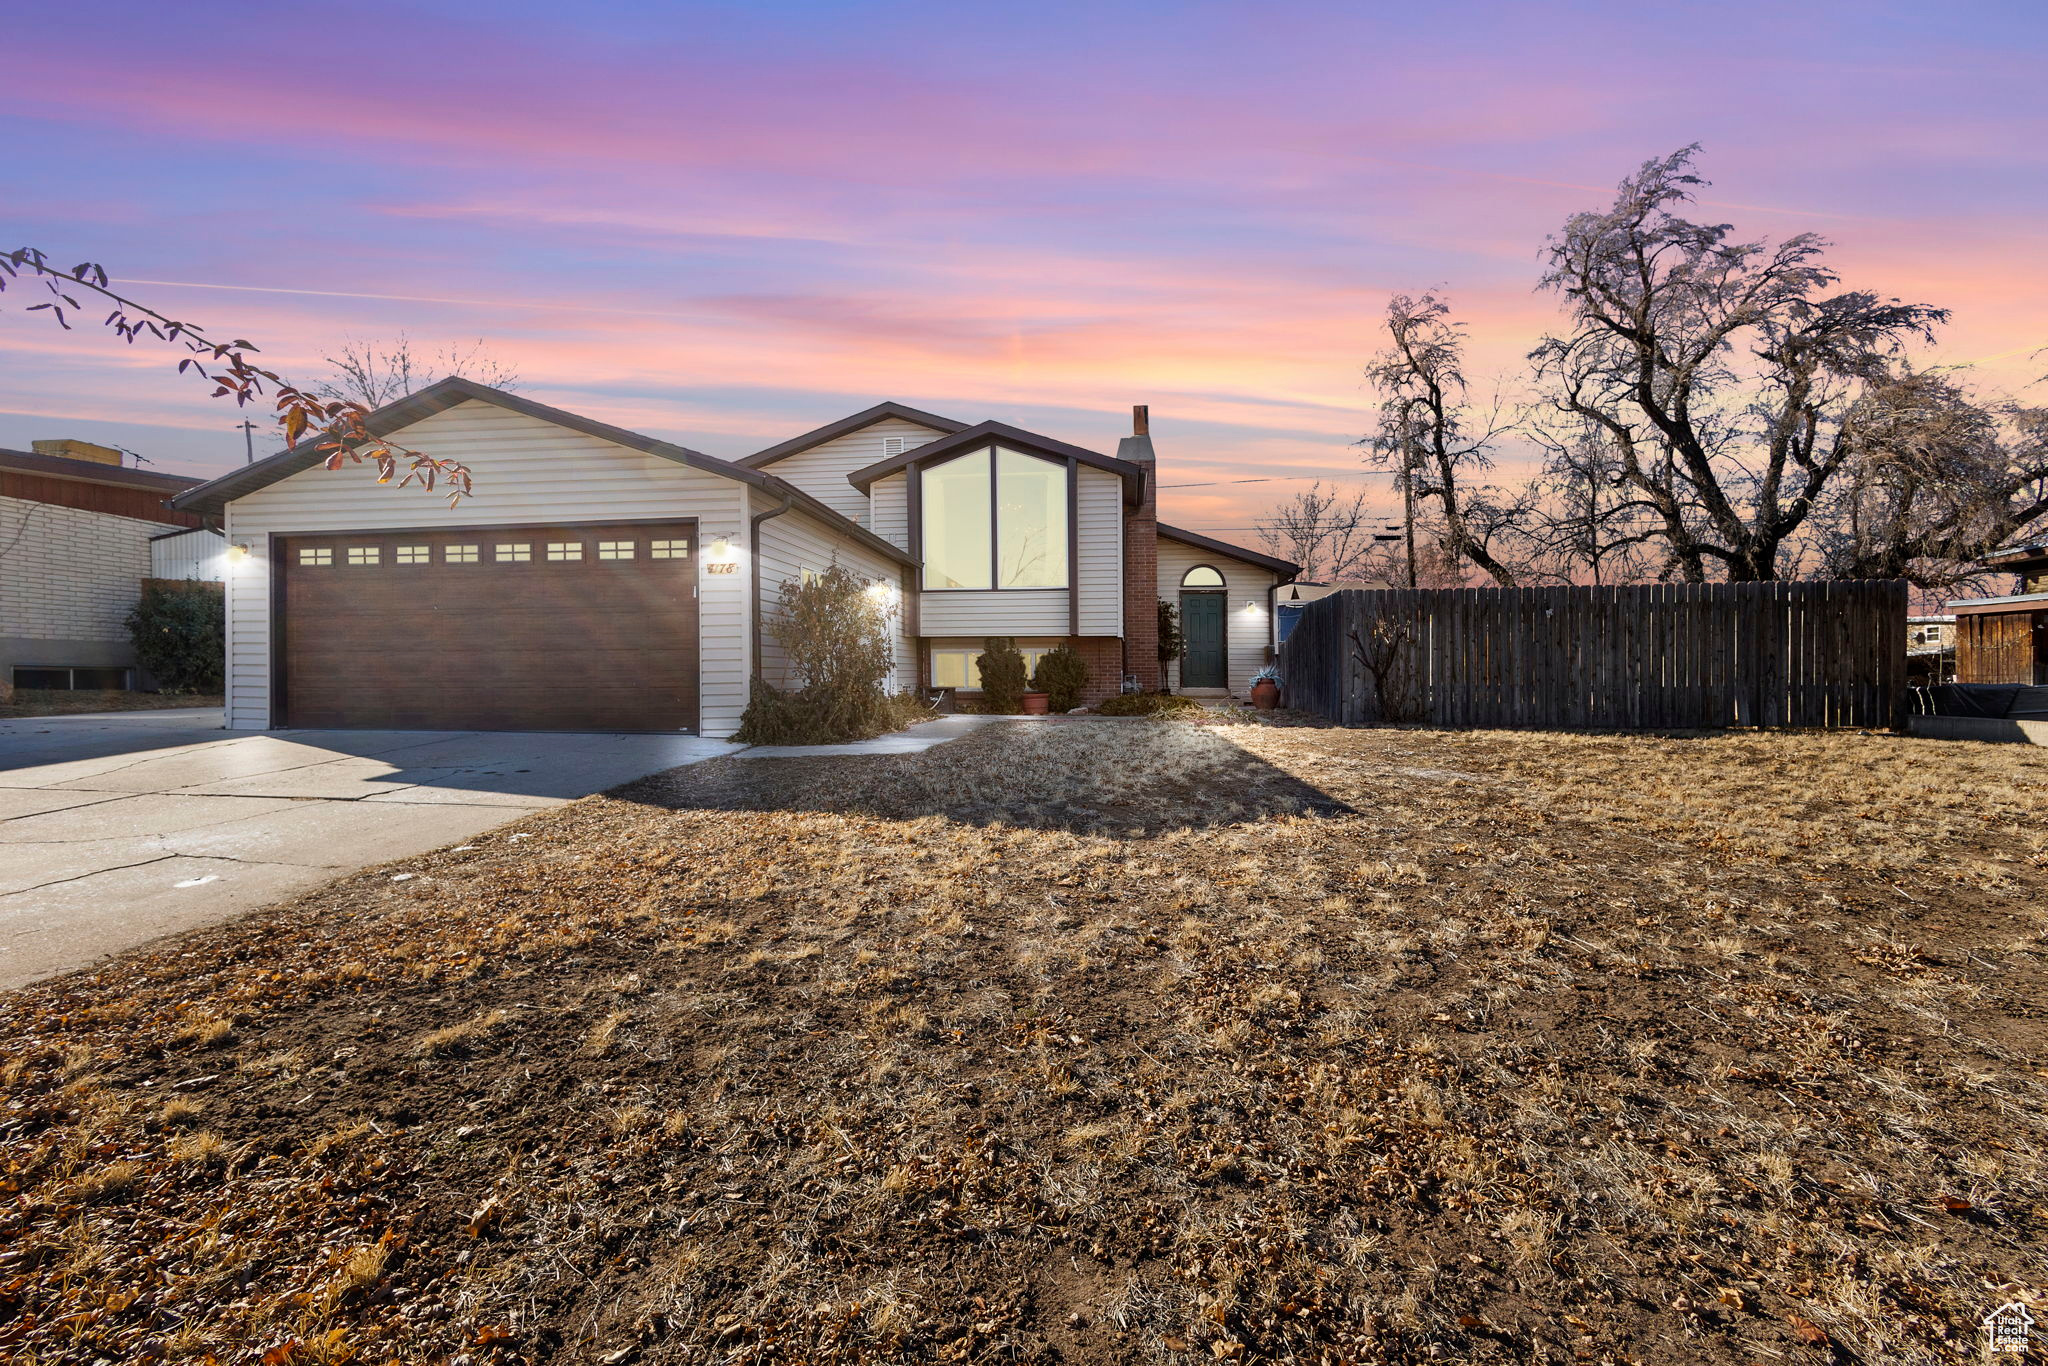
237	553
722	551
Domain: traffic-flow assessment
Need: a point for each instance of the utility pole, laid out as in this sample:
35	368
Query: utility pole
1408	501
248	430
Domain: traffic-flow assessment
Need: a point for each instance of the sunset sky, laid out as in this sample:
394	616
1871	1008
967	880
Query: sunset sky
723	224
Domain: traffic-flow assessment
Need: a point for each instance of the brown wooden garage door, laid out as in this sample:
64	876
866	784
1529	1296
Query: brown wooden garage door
533	628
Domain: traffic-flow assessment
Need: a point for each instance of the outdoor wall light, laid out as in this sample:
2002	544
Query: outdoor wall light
237	553
721	550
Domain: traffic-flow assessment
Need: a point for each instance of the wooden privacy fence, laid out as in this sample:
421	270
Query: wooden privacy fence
1659	656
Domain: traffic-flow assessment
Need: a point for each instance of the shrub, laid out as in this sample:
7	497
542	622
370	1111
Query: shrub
1171	641
1002	676
1061	675
179	628
1147	704
836	635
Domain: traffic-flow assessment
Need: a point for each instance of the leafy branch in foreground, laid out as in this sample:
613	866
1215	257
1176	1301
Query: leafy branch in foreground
340	426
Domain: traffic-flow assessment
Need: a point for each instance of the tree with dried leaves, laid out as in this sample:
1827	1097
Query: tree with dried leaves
376	373
338	426
1427	438
1725	375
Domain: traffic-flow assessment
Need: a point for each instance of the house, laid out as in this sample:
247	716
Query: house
600	579
79	531
1931	649
2005	639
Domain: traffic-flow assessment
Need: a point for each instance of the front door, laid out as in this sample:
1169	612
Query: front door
1203	663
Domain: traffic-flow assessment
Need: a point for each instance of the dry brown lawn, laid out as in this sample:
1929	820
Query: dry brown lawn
1092	1042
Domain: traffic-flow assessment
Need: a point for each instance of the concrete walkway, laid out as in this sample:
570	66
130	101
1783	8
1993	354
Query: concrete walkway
116	829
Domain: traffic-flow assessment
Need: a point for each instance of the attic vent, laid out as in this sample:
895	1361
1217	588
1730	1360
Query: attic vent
894	446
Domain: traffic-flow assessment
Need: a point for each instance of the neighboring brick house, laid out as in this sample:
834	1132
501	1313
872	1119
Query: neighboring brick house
78	534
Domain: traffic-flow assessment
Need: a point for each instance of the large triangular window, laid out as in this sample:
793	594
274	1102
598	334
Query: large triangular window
995	518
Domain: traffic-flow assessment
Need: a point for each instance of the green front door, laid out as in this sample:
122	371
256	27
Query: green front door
1203	665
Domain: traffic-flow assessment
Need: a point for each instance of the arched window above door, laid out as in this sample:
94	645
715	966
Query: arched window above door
1201	576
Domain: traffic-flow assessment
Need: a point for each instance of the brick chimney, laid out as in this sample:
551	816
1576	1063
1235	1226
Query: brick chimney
1141	559
69	448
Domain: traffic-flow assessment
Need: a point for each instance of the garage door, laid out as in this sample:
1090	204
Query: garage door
533	628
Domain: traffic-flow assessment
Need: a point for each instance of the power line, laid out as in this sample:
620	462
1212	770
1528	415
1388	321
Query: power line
1265	479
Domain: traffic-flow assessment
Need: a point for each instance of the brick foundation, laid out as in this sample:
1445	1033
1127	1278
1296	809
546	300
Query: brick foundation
1105	656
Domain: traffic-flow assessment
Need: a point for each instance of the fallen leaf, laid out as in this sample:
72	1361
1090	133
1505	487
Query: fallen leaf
1810	1333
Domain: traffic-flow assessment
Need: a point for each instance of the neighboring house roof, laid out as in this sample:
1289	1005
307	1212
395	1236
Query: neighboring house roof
1286	569
90	486
991	433
2034	551
210	498
845	426
92	472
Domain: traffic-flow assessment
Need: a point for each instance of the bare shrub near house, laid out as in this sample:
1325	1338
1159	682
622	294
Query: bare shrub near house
835	633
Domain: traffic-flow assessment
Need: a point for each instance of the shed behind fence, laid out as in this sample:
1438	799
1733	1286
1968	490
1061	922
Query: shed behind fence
1651	657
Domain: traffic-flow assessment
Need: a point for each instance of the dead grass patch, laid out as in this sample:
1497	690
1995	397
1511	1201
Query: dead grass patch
1104	1042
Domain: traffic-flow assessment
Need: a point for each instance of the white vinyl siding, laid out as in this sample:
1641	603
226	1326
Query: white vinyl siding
195	555
528	472
889	503
821	471
796	542
1099	551
1247	620
1015	612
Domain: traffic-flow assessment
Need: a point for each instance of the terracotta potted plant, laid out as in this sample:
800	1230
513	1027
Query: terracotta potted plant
1266	689
1037	703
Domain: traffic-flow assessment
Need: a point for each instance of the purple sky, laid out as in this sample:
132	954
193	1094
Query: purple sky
724	224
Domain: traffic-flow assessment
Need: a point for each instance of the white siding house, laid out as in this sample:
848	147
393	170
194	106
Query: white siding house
401	608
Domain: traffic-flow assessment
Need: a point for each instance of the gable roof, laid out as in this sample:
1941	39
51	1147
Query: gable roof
1285	569
993	433
845	426
211	497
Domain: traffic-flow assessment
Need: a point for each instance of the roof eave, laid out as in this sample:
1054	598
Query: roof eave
214	495
1001	433
1287	570
848	425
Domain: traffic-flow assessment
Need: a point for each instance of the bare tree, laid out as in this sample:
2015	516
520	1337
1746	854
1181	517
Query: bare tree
1721	371
1585	518
1327	532
376	373
1937	482
1425	437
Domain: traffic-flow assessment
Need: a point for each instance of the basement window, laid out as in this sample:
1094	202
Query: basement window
68	678
315	555
960	668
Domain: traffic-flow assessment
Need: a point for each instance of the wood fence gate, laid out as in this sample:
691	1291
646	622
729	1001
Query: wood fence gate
1679	656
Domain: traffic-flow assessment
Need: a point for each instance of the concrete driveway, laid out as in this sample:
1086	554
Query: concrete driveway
116	829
